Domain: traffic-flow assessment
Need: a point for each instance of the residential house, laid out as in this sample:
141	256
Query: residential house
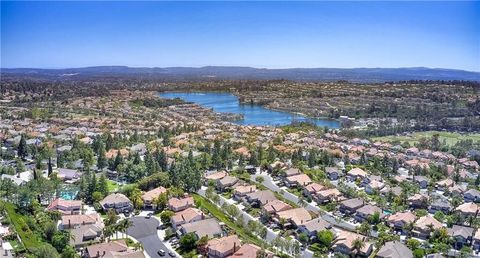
113	249
476	241
425	225
149	196
418	201
394	249
272	207
188	215
444	184
365	212
223	247
118	202
226	182
328	195
294	217
356	173
292	172
251	169
374	186
73	221
201	228
312	189
440	204
413	151
86	235
472	195
350	206
249	251
65	207
421	181
260	198
300	180
344	244
461	235
468	209
458	189
333	173
16	179
312	227
68	175
242	190
399	220
214	176
176	204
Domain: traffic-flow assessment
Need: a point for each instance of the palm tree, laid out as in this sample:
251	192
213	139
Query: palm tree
282	222
358	244
108	232
301	201
408	228
124	225
364	228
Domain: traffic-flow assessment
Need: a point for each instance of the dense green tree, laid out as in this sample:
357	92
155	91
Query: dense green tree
188	242
325	238
165	216
102	186
45	251
22	150
60	240
50	168
101	159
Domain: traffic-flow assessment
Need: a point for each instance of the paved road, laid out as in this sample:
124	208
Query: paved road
268	182
145	231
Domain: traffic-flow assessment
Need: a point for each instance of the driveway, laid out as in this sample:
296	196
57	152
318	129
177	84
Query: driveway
145	231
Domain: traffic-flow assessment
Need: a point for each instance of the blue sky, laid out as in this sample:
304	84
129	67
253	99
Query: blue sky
258	34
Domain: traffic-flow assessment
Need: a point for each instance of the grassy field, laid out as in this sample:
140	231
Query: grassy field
220	215
450	138
29	238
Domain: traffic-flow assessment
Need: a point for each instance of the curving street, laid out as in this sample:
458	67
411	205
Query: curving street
145	231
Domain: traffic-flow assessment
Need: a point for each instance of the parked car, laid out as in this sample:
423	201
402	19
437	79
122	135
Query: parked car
161	252
171	254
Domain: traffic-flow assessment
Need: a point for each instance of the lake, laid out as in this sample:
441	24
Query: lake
252	114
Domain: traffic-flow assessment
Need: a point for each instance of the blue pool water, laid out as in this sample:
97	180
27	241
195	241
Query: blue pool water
252	114
68	192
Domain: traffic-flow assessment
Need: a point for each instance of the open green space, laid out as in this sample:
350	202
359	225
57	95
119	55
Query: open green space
29	238
449	137
204	203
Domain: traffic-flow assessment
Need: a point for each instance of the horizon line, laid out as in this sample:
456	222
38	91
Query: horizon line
241	66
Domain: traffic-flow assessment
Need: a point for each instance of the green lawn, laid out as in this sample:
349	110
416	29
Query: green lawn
29	238
112	186
202	202
449	137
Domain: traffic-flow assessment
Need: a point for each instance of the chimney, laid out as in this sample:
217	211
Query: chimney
98	253
234	246
69	223
183	218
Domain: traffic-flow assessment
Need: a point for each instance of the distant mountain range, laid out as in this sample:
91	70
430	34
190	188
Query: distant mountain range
234	72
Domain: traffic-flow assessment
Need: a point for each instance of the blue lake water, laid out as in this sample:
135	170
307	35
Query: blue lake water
252	114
